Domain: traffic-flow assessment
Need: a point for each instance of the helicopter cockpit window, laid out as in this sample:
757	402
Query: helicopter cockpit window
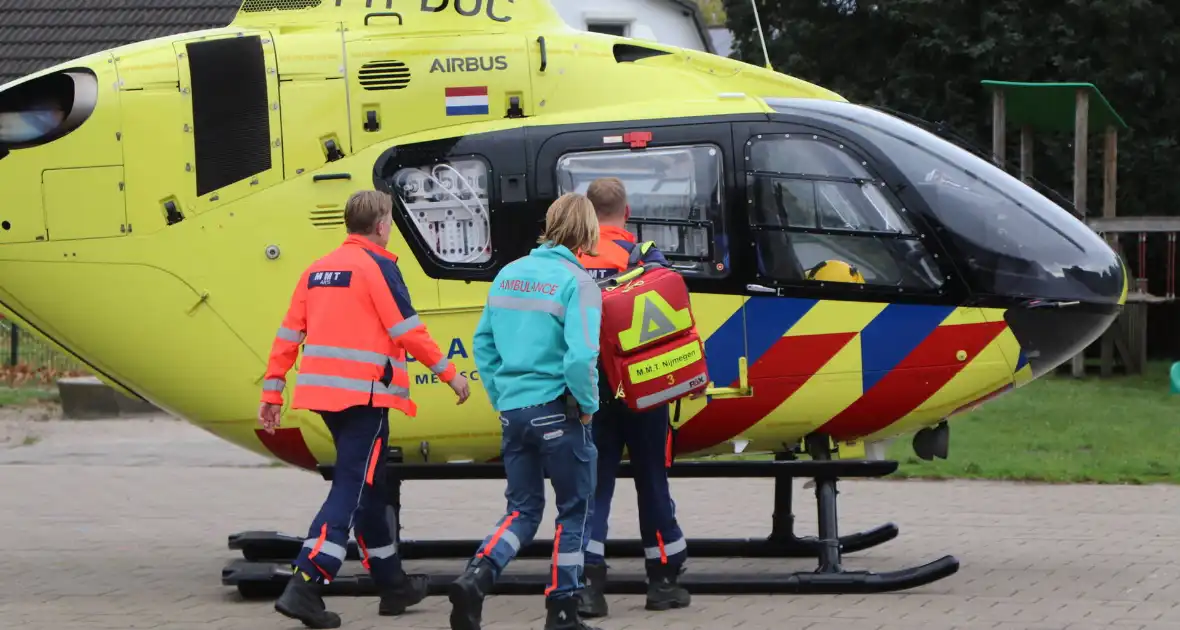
676	196
448	204
1011	240
812	202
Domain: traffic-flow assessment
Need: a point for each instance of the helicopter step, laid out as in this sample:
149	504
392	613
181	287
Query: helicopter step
265	566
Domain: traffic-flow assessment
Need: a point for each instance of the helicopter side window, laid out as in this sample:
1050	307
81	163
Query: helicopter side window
44	109
813	203
447	201
676	196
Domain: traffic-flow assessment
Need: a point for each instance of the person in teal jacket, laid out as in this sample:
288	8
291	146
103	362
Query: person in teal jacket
536	348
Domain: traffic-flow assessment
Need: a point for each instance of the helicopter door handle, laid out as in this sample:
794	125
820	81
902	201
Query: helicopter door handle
323	177
544	53
385	14
757	288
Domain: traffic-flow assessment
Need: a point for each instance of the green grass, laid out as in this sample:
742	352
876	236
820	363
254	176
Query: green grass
24	395
1123	430
1058	429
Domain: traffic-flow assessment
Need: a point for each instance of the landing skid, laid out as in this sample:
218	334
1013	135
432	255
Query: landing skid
265	568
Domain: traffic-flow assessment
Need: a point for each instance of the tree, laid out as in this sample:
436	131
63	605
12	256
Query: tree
927	58
714	11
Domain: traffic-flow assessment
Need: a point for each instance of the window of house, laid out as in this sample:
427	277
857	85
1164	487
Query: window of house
812	202
447	201
677	197
618	30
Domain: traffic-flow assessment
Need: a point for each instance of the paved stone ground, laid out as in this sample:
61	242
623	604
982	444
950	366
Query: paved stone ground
123	524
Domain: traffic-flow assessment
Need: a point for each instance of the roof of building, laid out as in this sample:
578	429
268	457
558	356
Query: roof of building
698	18
37	34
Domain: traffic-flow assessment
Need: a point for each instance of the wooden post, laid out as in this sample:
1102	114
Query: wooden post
999	127
1110	172
1109	185
1081	123
1026	152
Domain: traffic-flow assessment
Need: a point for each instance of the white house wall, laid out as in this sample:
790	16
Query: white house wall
654	20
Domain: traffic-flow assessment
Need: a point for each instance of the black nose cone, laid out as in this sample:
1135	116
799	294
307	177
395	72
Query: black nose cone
1051	335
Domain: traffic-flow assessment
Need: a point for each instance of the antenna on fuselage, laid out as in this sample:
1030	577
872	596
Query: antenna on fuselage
761	36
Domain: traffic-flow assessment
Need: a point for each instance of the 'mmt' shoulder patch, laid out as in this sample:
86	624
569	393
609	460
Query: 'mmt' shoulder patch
338	279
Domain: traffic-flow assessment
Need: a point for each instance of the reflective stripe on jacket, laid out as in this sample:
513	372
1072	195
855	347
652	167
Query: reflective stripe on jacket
614	249
538	334
353	315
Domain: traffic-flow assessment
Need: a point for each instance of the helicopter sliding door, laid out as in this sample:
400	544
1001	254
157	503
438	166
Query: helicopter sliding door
678	178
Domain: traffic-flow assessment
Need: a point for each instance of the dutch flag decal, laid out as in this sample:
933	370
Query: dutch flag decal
467	101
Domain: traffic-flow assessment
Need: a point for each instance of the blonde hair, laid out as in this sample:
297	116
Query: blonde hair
609	196
366	208
572	222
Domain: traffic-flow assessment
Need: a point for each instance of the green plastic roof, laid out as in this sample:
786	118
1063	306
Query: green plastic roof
1050	106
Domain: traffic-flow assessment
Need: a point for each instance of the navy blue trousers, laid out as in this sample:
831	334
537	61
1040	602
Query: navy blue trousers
535	440
356	502
645	435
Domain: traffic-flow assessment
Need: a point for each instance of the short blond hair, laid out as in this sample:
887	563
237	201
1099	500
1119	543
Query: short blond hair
365	209
609	196
571	222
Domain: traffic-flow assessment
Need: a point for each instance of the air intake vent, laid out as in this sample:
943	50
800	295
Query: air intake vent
327	218
255	6
625	53
384	75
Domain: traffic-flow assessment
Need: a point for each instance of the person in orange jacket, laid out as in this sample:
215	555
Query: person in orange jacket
352	313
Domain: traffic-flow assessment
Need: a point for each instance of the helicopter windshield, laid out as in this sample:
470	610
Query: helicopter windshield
1012	240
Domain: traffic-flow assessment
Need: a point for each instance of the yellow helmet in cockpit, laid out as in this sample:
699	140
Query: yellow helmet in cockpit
835	271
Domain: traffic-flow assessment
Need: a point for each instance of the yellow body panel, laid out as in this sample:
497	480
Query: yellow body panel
103	212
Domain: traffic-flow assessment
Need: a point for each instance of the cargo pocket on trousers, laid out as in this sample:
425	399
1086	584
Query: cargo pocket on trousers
582	441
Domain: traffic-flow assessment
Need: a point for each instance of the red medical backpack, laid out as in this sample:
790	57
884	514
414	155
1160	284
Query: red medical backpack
650	349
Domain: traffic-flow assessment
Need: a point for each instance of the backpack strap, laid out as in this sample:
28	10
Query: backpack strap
638	252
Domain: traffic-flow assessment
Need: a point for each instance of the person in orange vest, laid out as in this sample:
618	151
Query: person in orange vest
644	434
352	313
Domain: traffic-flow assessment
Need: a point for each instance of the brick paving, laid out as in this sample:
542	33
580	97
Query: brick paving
123	524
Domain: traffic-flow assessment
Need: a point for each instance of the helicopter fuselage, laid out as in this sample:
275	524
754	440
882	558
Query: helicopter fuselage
162	198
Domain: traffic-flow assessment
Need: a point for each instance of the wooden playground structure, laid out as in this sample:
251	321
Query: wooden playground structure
1047	107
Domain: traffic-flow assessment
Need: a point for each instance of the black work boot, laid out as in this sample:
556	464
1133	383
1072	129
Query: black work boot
301	600
592	599
563	615
467	593
663	590
406	591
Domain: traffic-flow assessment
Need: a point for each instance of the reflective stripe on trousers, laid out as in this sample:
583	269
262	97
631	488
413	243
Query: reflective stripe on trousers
662	550
539	439
645	436
356	501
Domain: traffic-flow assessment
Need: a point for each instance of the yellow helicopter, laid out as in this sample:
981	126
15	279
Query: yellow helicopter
856	277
